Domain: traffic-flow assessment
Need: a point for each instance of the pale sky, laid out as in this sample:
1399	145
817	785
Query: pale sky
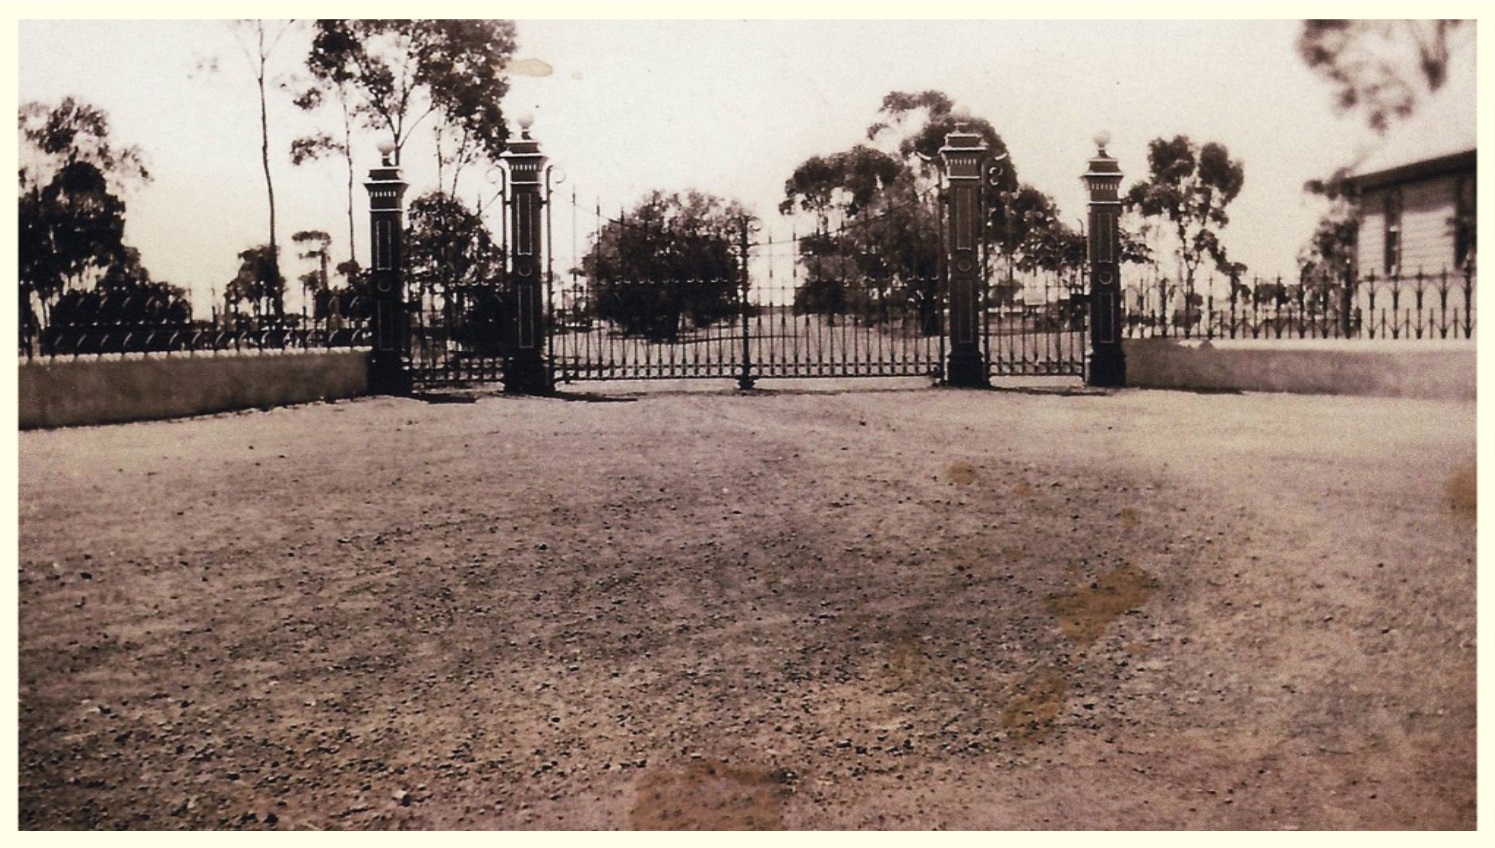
727	107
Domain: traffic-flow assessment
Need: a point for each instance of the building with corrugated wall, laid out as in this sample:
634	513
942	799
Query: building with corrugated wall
1417	191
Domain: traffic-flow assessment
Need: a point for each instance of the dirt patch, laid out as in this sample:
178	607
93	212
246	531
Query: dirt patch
1084	613
961	473
711	796
1462	489
1038	702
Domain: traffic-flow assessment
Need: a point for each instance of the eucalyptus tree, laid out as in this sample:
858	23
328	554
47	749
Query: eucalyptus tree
321	145
71	217
1188	188
1381	68
258	40
672	262
399	72
875	206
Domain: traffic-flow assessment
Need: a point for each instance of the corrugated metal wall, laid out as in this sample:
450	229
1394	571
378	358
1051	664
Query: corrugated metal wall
1428	208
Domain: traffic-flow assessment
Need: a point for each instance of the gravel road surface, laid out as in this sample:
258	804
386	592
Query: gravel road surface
803	607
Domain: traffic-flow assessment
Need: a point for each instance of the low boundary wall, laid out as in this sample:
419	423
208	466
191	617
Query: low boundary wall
64	393
1442	370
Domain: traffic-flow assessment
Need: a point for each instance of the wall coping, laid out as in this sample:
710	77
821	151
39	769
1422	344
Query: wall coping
140	356
1396	346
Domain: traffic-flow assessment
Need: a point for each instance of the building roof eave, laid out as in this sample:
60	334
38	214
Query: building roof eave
1452	163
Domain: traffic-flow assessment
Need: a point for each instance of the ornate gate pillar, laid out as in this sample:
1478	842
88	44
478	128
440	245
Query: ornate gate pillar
525	368
1107	362
387	373
964	156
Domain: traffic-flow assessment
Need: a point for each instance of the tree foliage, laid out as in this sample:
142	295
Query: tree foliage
404	70
125	311
877	216
258	283
71	218
453	261
672	263
918	141
54	137
1379	67
1189	187
447	244
314	246
70	227
1329	254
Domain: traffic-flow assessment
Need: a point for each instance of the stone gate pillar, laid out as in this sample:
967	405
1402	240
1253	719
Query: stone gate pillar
964	156
525	368
1107	362
387	373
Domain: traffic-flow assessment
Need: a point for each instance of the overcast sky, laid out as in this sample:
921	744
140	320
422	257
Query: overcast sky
728	107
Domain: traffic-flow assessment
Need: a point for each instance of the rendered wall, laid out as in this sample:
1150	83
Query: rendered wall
135	388
1443	370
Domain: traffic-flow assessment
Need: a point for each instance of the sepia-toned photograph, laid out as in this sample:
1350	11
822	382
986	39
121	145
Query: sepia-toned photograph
733	424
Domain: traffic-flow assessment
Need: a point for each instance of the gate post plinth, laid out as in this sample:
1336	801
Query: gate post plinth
964	156
387	375
1107	362
525	368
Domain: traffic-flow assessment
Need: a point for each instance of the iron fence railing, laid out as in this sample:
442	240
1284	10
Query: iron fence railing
93	322
1417	306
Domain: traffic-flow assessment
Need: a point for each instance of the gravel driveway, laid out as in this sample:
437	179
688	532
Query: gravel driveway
890	607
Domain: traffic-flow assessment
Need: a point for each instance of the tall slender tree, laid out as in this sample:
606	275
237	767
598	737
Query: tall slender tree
258	41
321	145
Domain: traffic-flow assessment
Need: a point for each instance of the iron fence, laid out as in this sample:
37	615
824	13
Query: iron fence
94	322
1398	307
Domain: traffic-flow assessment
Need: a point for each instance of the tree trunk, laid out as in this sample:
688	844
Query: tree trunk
348	156
275	292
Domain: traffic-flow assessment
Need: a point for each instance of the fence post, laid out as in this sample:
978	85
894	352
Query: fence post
964	157
745	380
525	369
387	374
1107	362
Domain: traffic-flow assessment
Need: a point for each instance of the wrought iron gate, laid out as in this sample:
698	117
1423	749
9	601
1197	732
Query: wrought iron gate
458	332
822	319
1036	325
746	329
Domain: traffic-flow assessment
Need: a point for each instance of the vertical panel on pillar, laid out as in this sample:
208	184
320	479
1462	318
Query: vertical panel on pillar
526	298
383	258
1103	236
1104	316
387	334
962	218
524	225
